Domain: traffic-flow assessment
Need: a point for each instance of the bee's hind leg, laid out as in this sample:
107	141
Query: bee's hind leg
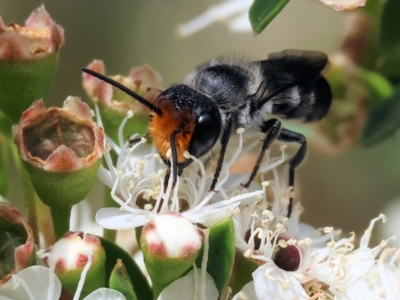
271	128
293	137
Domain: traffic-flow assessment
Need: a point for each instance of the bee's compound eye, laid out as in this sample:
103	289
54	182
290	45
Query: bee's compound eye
205	134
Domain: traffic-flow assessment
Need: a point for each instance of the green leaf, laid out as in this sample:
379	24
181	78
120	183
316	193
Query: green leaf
389	64
221	253
390	24
389	41
373	8
113	253
382	121
262	12
378	87
242	272
119	281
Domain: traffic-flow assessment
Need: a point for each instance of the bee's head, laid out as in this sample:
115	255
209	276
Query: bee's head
179	114
194	114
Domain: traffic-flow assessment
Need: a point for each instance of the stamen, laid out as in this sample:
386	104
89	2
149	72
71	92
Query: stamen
235	156
196	282
18	281
86	268
284	285
175	199
364	242
204	262
202	178
99	121
52	266
121	139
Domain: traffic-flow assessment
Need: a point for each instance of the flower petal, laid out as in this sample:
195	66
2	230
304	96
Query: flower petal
114	218
34	279
187	287
273	283
106	294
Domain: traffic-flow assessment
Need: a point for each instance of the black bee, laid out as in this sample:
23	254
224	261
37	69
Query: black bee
220	96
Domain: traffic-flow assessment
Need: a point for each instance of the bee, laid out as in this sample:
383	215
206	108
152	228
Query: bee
222	95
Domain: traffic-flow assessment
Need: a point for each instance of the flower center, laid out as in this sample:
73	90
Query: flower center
287	258
55	130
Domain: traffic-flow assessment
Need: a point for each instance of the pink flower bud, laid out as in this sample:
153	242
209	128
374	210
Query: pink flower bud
170	245
114	104
76	253
61	149
28	60
16	242
39	37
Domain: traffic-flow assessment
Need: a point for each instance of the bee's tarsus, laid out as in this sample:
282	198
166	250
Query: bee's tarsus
293	137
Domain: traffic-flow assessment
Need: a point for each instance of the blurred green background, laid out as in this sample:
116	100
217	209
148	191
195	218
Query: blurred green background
344	191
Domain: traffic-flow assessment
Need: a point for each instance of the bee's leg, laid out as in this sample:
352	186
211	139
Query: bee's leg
166	178
271	128
224	143
174	155
293	137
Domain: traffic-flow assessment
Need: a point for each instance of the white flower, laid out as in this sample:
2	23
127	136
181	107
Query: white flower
33	283
344	4
235	12
40	283
136	184
298	269
105	294
285	249
247	293
382	281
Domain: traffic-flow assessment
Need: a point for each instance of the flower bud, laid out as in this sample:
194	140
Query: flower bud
114	104
61	149
28	60
120	281
76	253
170	244
16	242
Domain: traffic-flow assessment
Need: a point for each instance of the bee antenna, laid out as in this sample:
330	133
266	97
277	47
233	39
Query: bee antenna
123	88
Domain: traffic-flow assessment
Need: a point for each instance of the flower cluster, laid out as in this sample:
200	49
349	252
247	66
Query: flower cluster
227	242
290	260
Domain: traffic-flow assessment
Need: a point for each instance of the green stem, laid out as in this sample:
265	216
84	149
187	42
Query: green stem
108	234
61	216
28	193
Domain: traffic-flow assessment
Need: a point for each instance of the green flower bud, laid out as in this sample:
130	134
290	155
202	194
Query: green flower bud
76	253
170	245
28	60
120	281
16	242
114	104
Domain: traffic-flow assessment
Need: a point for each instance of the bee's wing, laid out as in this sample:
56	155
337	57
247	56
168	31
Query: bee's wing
295	73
